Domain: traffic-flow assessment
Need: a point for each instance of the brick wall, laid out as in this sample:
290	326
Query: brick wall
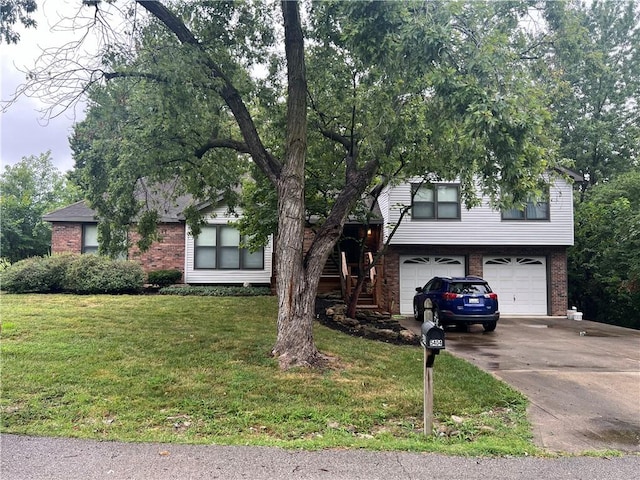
559	282
167	254
66	237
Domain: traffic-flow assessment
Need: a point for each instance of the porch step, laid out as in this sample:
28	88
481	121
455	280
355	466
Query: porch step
368	306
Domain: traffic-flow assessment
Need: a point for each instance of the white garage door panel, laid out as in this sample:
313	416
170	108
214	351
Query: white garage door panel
520	282
415	271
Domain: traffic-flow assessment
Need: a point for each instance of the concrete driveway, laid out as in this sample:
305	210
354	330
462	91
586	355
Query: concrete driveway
582	378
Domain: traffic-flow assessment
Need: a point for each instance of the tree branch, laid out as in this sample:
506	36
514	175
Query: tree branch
270	166
239	147
147	76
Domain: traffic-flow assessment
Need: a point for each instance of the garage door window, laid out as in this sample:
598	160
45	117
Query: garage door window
436	202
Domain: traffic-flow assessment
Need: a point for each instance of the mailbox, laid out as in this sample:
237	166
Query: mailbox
432	340
432	337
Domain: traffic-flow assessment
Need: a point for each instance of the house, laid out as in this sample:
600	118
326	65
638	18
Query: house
213	257
522	253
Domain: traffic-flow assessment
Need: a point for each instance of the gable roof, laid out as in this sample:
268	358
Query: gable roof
76	212
170	211
575	176
156	197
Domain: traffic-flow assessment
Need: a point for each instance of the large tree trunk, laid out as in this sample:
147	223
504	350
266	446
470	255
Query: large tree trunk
297	274
296	290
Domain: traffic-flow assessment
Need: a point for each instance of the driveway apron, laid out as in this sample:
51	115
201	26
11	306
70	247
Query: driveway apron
582	378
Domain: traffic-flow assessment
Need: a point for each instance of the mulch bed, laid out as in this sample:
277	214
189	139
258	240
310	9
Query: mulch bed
370	324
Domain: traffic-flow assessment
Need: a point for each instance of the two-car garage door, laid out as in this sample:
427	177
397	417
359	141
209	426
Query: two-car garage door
519	281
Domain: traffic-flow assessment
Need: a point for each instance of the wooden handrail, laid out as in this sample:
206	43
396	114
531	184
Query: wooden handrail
372	270
344	267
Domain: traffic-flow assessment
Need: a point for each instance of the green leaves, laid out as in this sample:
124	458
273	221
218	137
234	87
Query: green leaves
12	12
605	260
597	64
29	189
399	89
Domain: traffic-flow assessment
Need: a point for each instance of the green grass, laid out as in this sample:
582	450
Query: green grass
198	370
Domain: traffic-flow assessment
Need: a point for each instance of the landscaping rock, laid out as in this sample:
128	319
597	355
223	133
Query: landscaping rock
331	312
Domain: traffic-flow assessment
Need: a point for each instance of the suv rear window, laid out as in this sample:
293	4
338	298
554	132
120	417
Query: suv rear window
466	288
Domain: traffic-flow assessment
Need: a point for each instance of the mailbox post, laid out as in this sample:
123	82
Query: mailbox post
432	339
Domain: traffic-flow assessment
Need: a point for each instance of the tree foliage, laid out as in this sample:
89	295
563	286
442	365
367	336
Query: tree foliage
13	12
595	70
604	263
28	190
319	108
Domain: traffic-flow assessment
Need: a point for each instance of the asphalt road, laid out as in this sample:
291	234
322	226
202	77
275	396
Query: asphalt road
582	378
27	458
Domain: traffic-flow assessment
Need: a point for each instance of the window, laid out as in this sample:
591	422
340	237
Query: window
218	247
436	201
89	238
534	210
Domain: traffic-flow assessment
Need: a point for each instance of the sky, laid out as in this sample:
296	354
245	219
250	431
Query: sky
24	129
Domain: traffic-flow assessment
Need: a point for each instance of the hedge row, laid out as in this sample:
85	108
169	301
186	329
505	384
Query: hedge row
73	273
215	291
164	278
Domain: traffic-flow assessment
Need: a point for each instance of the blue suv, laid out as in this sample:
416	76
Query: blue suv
458	301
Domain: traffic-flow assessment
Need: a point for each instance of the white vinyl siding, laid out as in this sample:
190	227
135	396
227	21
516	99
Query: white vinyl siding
257	267
482	225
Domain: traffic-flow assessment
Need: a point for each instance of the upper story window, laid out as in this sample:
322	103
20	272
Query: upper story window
534	210
218	247
436	201
89	238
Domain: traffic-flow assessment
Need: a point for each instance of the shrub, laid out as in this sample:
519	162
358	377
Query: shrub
96	274
164	278
217	291
4	263
30	275
37	274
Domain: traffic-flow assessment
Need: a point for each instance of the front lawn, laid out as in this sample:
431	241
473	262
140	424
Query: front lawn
198	370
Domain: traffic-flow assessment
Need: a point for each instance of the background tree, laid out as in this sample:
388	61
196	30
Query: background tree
604	263
595	67
12	12
28	190
363	94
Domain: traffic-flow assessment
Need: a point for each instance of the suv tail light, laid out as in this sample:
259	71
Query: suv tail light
492	296
450	296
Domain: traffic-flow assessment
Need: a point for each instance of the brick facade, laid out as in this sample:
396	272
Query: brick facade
557	282
66	237
166	254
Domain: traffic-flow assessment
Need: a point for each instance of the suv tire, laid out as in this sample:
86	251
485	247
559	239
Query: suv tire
489	326
416	313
